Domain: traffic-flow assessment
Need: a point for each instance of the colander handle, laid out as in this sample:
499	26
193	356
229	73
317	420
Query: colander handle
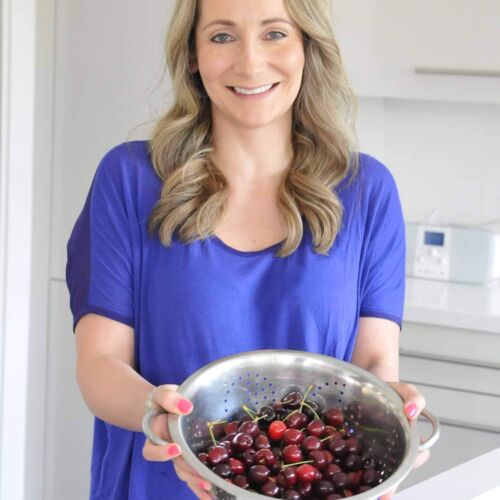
436	429
151	413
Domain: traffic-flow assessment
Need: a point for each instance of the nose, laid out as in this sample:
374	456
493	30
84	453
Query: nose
250	60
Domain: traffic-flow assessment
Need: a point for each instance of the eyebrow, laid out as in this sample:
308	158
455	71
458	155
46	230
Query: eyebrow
227	22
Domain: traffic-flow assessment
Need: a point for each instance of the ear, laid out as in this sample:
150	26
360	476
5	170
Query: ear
193	67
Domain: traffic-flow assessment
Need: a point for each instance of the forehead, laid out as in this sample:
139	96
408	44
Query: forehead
241	11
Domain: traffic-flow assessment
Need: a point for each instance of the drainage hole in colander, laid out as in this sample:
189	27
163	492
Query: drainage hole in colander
319	388
248	374
326	383
265	378
257	375
262	389
225	401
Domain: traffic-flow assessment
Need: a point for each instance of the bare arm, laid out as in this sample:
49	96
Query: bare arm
111	387
377	348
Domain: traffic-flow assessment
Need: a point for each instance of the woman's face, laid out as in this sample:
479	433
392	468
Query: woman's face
249	44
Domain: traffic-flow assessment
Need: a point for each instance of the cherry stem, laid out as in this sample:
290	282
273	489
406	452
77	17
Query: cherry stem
249	412
211	425
290	414
305	396
312	409
297	463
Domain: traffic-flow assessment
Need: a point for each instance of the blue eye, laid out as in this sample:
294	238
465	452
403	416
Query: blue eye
214	39
219	34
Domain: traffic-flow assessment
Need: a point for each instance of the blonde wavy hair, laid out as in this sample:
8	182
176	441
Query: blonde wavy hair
195	191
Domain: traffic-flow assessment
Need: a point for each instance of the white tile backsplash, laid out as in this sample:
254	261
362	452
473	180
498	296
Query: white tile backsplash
444	156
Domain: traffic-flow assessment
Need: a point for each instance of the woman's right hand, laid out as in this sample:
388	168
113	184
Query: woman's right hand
168	398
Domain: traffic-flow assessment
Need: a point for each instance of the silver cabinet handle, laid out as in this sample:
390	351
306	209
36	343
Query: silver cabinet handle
429	70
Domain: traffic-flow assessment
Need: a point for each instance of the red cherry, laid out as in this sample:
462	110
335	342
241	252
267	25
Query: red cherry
306	473
217	455
276	430
231	427
265	457
315	428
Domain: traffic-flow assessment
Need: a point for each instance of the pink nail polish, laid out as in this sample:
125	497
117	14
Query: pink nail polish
202	485
411	410
184	405
173	450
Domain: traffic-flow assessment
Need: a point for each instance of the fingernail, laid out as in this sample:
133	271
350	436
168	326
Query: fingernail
411	410
204	486
184	405
173	450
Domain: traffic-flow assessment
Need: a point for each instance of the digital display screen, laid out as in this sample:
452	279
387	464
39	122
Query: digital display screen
436	239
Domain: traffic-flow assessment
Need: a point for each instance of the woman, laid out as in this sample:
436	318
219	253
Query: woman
248	221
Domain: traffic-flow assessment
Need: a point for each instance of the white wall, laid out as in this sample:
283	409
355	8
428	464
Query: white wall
444	155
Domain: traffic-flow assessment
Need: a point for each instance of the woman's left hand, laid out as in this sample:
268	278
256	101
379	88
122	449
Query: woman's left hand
414	403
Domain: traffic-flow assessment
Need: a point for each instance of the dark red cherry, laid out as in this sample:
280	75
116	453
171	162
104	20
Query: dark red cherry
353	445
258	474
203	458
370	477
319	459
242	442
297	421
262	442
241	481
248	457
339	479
334	417
306	473
330	470
292	399
223	470
292	495
270	489
324	488
237	466
265	457
315	428
217	455
338	448
249	427
311	443
232	427
353	462
292	436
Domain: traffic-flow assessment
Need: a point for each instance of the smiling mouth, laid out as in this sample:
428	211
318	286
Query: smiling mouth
251	91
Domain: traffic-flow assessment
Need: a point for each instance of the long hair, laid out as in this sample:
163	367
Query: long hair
195	191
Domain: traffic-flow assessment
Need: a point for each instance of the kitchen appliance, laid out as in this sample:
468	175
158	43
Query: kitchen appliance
463	254
258	378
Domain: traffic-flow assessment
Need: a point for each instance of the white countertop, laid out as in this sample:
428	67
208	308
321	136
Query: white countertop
449	304
477	479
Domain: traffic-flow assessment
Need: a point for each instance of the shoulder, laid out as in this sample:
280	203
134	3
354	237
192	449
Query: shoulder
370	178
128	159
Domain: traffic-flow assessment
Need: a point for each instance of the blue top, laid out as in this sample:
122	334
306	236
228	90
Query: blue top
191	304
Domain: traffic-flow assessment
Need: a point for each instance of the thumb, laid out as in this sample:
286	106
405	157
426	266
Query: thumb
413	400
168	398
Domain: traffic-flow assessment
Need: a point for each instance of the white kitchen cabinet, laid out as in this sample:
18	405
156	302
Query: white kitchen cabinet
446	50
69	423
458	372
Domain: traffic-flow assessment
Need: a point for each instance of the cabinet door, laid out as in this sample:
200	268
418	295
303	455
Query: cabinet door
421	49
69	423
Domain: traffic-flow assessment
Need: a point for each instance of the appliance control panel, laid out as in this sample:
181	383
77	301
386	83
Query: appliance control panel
432	253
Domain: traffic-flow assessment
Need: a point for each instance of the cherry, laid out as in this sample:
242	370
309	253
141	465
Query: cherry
354	478
370	477
258	474
311	443
338	448
271	489
292	454
334	496
292	436
217	455
265	457
368	462
319	459
292	495
276	430
304	490
330	470
334	417
328	456
353	462
241	481
237	466
242	441
339	479
203	458
364	488
290	476
223	470
267	413
324	488
249	427
262	442
353	445
306	473
248	457
292	399
296	420
232	427
315	428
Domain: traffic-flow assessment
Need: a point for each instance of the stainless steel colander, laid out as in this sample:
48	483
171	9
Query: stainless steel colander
258	378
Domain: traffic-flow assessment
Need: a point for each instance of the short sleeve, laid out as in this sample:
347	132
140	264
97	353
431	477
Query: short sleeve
384	248
99	269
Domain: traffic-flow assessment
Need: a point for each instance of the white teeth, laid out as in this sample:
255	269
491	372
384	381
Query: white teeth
259	90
